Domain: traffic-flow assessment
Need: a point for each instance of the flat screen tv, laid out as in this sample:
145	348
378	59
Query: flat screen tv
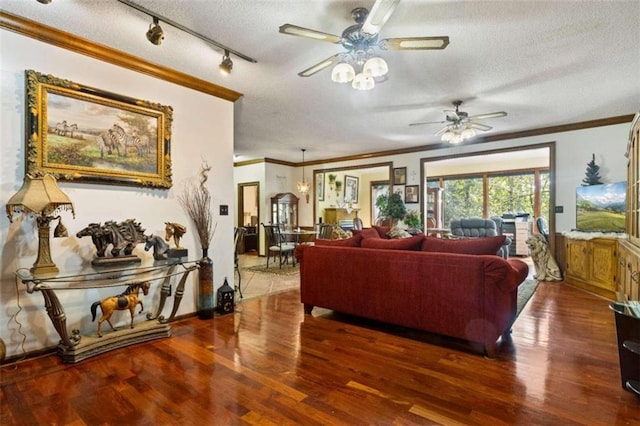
601	208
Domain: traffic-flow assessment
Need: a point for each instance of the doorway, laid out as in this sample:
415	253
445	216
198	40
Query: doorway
248	215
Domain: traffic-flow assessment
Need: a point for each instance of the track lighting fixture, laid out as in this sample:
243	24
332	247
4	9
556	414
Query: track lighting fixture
155	34
227	64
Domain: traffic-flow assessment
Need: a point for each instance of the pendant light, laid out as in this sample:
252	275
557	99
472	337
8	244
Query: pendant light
303	186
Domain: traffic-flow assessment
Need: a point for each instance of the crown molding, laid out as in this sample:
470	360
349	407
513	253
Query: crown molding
108	54
621	119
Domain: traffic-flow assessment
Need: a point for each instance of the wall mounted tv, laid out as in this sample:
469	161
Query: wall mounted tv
601	208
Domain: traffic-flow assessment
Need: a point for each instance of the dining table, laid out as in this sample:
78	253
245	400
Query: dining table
299	234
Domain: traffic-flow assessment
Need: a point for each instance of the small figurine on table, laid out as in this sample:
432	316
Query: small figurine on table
175	230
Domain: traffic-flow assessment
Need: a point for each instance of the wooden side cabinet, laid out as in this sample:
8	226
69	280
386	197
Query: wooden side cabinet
593	265
628	272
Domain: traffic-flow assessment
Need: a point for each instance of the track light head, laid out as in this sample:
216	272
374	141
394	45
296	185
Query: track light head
155	34
227	64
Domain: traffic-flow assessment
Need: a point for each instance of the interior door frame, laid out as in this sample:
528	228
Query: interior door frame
240	209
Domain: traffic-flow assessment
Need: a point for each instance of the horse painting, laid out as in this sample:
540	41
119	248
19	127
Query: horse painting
175	230
127	300
160	247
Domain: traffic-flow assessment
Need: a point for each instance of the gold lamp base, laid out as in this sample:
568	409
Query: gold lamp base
44	264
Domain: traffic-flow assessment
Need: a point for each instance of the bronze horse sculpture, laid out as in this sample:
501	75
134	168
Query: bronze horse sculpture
127	300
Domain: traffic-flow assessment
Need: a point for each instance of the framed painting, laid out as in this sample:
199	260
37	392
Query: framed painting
399	190
400	176
320	186
411	194
80	133
351	189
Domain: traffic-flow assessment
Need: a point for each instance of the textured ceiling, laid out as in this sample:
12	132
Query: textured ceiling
546	63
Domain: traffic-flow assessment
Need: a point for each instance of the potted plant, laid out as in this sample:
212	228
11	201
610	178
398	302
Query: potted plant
413	222
338	187
332	180
391	207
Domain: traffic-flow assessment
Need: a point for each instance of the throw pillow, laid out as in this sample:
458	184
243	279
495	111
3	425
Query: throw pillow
345	242
412	243
366	233
339	233
382	230
487	245
397	232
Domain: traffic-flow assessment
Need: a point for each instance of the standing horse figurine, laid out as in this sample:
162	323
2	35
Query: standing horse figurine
160	247
127	300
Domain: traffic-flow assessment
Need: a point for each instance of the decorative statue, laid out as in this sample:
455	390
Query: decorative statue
160	247
175	230
127	300
546	267
123	237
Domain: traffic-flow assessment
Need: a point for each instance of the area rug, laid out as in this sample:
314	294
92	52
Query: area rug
525	291
274	269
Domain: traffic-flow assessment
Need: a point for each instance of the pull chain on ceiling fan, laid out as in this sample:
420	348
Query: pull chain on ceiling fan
361	43
459	125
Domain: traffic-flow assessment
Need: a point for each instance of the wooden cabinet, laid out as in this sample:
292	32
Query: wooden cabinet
284	209
628	272
629	252
335	215
593	265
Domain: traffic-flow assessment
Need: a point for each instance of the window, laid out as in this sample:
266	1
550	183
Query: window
462	197
511	193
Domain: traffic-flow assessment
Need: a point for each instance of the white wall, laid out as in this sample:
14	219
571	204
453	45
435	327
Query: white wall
573	152
202	130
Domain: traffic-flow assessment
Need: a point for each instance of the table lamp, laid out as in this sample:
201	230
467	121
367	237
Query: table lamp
41	196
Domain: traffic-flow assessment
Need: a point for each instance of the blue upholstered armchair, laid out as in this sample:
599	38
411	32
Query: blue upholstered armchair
477	227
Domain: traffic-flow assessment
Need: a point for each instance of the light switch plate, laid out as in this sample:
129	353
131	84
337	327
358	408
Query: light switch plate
224	210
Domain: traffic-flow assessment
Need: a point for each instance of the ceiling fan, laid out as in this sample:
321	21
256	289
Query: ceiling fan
461	126
361	41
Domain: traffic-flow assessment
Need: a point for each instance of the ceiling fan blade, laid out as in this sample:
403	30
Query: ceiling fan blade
479	126
441	131
320	65
379	14
427	122
308	33
415	43
489	115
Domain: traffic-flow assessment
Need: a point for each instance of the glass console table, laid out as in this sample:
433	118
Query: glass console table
73	347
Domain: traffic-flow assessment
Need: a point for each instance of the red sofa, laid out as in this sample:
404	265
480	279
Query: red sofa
466	296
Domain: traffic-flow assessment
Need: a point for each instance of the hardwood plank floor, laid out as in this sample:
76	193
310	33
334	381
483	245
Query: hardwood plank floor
270	364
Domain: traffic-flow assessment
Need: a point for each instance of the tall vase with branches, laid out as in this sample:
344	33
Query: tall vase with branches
196	201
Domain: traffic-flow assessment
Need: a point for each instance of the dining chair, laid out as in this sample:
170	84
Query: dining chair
325	230
237	241
276	244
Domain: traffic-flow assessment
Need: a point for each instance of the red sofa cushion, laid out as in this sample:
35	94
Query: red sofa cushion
485	245
366	233
345	242
382	230
411	243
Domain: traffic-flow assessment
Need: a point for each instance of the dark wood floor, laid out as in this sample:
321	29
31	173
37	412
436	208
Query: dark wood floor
269	364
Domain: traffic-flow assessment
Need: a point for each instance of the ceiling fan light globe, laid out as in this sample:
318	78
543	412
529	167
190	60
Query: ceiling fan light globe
375	67
363	82
342	73
457	138
468	133
446	136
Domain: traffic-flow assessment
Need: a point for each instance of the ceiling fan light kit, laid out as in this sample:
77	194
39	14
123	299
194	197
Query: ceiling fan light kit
361	43
460	126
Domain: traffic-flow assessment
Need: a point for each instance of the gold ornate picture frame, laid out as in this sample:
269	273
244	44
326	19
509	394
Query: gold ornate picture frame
80	133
